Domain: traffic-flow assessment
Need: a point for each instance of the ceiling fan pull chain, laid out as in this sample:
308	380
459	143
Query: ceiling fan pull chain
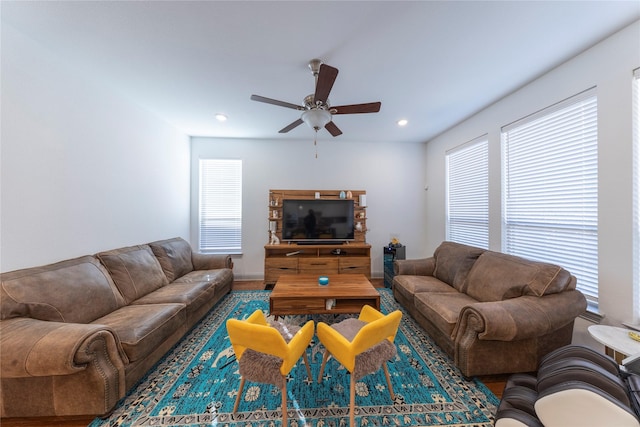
315	142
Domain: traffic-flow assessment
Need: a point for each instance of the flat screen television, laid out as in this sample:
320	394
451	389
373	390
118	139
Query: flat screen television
317	221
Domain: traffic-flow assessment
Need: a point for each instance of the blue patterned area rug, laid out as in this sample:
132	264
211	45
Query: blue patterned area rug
196	383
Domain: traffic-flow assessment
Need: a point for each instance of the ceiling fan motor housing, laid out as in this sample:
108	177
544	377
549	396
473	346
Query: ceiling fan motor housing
310	102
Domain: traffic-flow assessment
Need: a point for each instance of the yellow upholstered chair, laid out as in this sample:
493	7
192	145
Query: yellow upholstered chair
361	345
267	353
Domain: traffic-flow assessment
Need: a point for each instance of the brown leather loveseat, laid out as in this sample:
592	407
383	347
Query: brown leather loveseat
76	335
492	313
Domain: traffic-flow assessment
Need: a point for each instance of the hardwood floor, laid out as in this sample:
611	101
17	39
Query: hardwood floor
493	383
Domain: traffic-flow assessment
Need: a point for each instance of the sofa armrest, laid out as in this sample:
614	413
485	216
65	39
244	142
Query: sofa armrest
520	318
414	267
210	261
36	348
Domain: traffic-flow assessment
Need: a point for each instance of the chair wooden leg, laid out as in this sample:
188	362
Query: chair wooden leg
324	362
352	401
386	374
284	403
306	363
235	406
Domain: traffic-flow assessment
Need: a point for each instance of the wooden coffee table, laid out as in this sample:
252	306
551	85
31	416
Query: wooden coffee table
301	294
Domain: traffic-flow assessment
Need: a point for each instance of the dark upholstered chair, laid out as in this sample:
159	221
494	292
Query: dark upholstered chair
575	386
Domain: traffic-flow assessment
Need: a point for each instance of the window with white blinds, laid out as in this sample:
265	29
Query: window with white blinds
220	206
550	188
468	193
636	192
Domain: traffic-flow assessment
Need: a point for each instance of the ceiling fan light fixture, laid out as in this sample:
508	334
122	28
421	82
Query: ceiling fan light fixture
316	118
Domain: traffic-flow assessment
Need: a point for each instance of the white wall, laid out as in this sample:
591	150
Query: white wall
392	175
82	168
609	66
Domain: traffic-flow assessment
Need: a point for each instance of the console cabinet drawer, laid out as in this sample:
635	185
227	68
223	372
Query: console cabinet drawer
318	265
355	265
282	263
276	266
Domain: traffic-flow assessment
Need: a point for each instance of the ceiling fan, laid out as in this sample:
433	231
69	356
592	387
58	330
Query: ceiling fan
317	112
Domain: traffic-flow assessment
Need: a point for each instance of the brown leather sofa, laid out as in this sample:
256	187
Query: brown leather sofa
492	313
76	335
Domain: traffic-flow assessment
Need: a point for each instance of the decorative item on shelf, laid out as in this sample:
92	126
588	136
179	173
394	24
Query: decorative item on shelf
274	214
323	280
358	226
343	195
362	200
349	194
274	240
317	195
395	242
361	215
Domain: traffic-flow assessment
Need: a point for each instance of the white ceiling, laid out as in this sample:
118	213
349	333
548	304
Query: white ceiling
434	63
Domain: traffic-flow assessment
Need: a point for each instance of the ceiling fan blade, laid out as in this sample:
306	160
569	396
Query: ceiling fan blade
276	102
291	126
371	107
333	129
326	77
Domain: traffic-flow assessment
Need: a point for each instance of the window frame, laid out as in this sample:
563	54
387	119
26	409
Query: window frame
636	193
548	229
226	176
467	193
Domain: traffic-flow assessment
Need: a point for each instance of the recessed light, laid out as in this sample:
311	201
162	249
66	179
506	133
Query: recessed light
402	122
221	117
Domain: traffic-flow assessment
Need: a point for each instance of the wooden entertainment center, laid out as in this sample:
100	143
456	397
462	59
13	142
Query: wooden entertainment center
352	257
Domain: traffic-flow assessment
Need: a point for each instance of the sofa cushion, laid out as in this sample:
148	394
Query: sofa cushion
496	276
142	328
174	256
442	309
135	271
409	285
193	289
78	290
453	262
193	295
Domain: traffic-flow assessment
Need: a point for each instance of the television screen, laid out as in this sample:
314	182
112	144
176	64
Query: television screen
317	220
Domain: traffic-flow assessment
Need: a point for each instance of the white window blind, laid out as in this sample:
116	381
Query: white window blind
636	193
220	206
550	188
468	194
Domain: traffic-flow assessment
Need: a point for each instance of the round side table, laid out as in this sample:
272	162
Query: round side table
616	341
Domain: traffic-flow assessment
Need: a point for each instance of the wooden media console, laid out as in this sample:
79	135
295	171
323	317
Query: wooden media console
286	258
